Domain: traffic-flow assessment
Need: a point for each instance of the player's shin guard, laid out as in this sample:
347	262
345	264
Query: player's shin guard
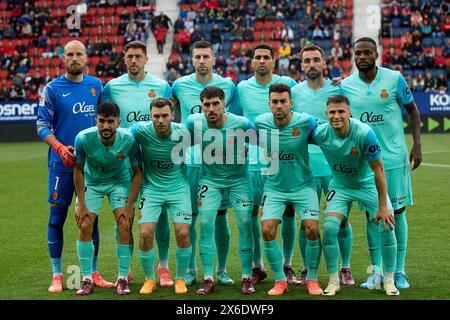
162	236
182	257
373	241
401	233
388	248
288	232
330	243
193	235
245	242
345	237
275	258
313	253
222	238
124	255
302	244
96	241
257	254
207	246
55	236
85	252
148	263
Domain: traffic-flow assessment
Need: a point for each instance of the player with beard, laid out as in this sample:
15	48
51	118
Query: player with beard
67	106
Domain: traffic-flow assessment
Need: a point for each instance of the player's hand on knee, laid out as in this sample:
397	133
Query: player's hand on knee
66	153
386	217
81	213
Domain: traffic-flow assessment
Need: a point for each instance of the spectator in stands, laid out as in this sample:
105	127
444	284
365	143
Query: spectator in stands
441	83
129	35
164	20
430	82
426	28
294	72
405	38
100	69
260	12
48	49
284	50
247	34
337	51
17	93
445	28
32	93
216	38
42	40
189	25
418	83
231	74
27	31
317	33
429	61
4	92
287	34
416	47
439	62
336	70
185	40
140	35
236	32
243	63
416	20
446	51
196	35
171	75
179	24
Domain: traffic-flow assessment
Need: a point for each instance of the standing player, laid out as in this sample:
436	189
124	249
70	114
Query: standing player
186	90
354	154
376	95
164	185
252	99
310	96
133	92
67	106
225	173
292	183
101	171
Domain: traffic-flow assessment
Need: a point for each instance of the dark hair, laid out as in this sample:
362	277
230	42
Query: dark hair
161	103
108	109
311	47
338	98
135	45
265	47
280	88
366	39
202	45
212	92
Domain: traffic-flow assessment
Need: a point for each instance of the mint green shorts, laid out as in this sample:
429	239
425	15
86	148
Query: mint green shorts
153	200
399	187
117	196
304	200
257	185
339	199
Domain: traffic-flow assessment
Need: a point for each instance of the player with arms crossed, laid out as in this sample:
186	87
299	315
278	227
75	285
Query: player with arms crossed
354	155
186	90
310	96
66	107
251	100
133	92
292	183
225	173
101	171
376	94
164	185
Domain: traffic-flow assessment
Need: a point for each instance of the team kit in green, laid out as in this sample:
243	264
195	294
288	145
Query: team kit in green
311	156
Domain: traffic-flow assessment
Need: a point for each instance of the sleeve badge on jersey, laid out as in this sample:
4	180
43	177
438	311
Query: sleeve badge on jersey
384	94
93	92
120	156
54	195
354	152
152	94
296	132
42	101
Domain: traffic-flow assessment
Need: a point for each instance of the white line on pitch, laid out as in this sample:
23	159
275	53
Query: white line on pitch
435	165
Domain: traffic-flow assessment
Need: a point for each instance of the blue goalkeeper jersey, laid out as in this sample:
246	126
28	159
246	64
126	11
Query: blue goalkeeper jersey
65	109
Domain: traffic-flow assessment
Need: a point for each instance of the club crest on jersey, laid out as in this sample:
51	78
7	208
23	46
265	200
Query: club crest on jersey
296	132
120	156
42	101
93	92
354	152
152	94
54	195
384	94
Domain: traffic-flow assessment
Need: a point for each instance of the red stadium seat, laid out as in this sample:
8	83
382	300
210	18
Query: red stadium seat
268	25
3	5
32	72
397	42
92	11
101	11
257	35
386	42
3	73
279	24
347	64
437	51
267	35
105	59
258	26
94	60
110	11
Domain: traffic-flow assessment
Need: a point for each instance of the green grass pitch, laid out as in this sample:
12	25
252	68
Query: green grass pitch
25	270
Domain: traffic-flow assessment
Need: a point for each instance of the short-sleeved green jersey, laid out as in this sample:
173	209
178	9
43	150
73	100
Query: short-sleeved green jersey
349	157
228	140
314	102
134	98
106	164
378	105
291	151
160	171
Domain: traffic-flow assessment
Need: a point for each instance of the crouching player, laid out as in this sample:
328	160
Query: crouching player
101	170
163	186
354	155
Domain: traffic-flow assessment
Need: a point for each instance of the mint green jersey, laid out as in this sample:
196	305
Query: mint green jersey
134	98
160	171
187	91
349	157
314	102
378	105
292	150
223	159
106	164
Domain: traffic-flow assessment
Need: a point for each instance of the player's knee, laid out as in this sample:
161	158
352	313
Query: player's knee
147	235
86	226
330	229
182	234
312	231
269	233
122	226
400	211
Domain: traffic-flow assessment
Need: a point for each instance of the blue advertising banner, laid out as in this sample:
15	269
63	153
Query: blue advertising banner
432	103
18	111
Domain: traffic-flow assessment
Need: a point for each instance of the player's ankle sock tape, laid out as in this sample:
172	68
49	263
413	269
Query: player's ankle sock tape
222	238
256	231
274	257
302	244
345	237
401	233
162	235
148	263
85	251
124	258
182	257
313	252
207	246
193	235
330	242
374	244
288	233
388	247
245	240
55	235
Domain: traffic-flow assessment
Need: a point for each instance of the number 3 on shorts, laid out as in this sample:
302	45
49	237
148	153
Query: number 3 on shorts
141	204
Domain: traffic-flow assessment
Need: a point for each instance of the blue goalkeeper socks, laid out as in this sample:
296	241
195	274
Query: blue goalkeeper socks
55	236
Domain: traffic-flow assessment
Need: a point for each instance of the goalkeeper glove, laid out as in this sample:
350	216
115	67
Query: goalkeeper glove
66	153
